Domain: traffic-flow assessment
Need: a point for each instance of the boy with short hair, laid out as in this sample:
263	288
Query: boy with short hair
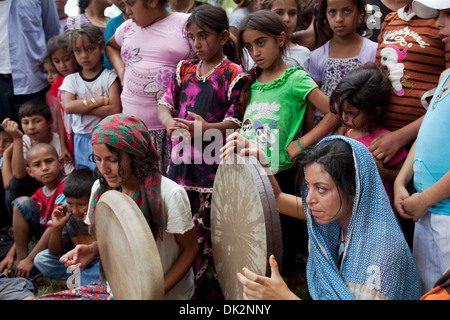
37	121
32	215
69	229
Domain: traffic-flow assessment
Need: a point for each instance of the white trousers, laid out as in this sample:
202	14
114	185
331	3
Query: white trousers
431	248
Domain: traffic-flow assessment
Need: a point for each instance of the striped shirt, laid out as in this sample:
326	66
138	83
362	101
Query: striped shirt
416	56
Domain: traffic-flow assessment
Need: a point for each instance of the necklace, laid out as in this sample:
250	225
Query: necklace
439	96
199	66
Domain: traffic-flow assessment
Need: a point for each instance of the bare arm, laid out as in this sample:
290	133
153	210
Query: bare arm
287	204
113	54
18	162
189	250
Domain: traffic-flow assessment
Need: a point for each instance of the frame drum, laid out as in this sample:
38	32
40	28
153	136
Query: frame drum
245	223
127	249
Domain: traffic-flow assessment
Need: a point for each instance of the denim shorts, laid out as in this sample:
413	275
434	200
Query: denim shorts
29	210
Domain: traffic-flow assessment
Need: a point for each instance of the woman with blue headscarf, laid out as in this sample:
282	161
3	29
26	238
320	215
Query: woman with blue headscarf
356	247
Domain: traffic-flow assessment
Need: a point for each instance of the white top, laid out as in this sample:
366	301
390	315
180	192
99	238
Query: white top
178	220
87	89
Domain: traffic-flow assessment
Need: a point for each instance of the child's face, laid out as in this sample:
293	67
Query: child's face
342	16
88	54
351	116
60	4
37	128
51	72
64	62
142	15
78	207
5	141
287	10
206	43
443	24
263	48
108	165
44	166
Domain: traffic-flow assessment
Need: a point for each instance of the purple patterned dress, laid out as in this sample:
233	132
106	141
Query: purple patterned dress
193	165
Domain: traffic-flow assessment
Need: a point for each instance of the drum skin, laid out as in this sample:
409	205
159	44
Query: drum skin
245	223
127	249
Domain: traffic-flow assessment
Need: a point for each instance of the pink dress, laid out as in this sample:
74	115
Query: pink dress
401	155
151	56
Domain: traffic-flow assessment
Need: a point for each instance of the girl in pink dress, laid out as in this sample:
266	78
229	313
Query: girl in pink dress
358	99
144	52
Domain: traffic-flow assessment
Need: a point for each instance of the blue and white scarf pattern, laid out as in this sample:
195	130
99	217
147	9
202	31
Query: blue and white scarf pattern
377	262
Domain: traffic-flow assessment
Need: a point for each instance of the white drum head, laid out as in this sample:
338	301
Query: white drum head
245	225
128	251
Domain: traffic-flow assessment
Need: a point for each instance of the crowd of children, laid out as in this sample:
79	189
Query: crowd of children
149	121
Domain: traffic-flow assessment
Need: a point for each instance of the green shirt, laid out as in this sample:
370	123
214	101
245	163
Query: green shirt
275	114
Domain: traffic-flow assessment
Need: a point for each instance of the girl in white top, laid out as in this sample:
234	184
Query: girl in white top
91	94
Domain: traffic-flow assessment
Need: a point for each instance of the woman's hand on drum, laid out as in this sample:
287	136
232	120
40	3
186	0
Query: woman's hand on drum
237	143
264	288
80	256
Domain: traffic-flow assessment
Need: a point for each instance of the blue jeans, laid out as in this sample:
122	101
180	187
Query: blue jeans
50	267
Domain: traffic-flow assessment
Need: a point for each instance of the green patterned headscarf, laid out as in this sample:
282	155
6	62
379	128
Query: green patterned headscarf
129	134
126	133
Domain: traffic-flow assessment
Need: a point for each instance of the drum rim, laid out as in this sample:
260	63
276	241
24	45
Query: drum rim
110	199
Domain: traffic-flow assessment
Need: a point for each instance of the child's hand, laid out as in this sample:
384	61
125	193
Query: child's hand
6	265
400	194
414	206
237	143
176	128
293	150
385	146
66	156
24	267
59	217
196	127
12	128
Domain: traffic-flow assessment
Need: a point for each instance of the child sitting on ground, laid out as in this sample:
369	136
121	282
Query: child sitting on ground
36	119
32	215
68	229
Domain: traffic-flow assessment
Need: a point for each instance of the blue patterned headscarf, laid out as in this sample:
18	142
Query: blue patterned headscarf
377	262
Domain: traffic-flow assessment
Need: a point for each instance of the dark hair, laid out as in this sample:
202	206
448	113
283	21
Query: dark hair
336	157
323	30
79	183
83	4
268	5
35	107
216	19
42	145
365	88
264	21
243	3
139	166
162	3
92	32
60	41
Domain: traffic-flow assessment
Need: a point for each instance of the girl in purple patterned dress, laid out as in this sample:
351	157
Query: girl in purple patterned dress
200	107
342	23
